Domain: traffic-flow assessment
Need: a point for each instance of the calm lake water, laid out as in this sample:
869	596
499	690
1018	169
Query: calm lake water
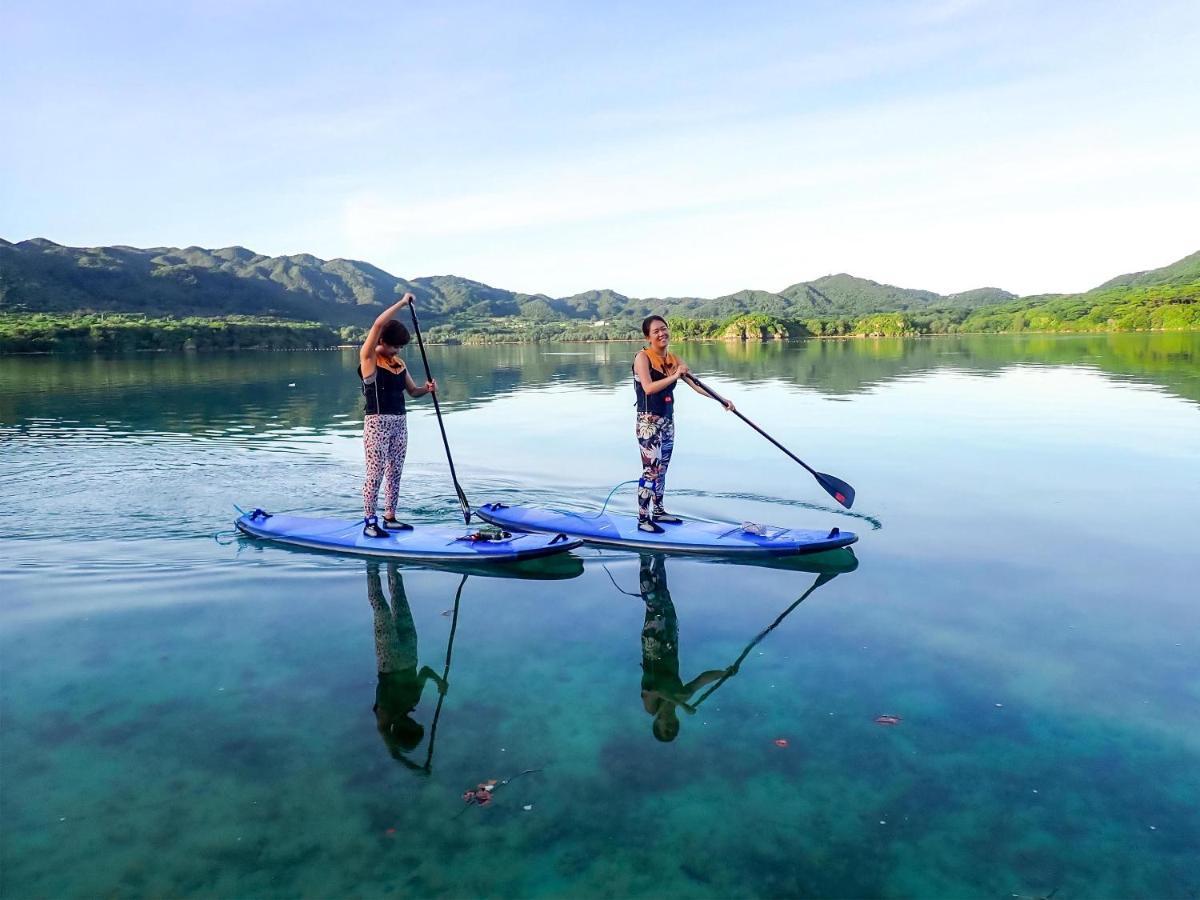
183	712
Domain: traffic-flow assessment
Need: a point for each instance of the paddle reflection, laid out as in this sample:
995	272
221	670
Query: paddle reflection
664	692
401	684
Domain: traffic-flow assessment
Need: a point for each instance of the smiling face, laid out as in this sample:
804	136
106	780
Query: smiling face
658	334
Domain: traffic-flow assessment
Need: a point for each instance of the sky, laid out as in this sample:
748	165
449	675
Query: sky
657	149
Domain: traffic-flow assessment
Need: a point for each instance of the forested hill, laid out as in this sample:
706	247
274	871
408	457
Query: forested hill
56	297
42	276
1160	299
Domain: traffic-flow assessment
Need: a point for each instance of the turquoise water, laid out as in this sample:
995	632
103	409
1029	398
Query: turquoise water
183	714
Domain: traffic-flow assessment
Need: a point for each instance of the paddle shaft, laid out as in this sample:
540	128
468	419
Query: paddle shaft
445	674
823	578
437	408
842	492
704	387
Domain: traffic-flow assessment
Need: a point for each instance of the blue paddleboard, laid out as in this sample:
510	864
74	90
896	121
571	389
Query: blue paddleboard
714	539
443	543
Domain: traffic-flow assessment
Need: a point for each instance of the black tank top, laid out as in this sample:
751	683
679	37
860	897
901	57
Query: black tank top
384	392
660	404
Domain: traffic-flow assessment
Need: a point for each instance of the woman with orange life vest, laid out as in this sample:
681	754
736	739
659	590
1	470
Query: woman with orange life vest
655	373
385	379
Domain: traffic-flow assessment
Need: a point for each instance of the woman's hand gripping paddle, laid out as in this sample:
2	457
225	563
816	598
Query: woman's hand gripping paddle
835	487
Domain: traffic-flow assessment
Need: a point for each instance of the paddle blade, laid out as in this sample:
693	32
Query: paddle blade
837	489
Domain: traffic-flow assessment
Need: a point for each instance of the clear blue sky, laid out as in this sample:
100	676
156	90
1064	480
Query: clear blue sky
654	148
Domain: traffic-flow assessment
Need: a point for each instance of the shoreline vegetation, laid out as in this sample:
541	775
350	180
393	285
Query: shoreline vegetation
40	333
58	299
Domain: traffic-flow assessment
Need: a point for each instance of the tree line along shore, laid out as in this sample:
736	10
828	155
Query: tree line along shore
1151	309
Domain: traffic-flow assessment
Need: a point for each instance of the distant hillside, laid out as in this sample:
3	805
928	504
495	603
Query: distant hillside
1182	272
1160	299
41	276
978	297
43	285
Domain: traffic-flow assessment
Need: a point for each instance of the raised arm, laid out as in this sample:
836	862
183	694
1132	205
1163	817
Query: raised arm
641	367
366	354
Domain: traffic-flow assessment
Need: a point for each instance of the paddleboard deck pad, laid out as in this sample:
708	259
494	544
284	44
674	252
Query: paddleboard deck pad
712	539
446	543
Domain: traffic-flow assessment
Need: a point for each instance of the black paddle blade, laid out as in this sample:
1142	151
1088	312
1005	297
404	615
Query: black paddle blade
837	489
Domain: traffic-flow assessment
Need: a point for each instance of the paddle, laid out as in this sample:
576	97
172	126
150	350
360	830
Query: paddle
823	578
462	498
445	674
835	487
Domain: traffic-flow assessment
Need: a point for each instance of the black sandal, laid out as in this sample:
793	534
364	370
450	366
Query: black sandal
372	529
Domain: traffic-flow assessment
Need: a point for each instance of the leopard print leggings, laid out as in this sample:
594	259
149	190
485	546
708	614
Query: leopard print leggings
385	439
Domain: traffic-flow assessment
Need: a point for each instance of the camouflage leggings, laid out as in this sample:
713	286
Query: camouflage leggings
656	440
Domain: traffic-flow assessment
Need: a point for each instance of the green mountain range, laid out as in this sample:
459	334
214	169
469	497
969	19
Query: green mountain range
232	295
41	276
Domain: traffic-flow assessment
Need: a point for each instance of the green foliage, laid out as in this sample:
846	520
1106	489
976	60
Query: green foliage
685	329
1124	307
757	327
885	325
110	333
539	311
57	298
351	334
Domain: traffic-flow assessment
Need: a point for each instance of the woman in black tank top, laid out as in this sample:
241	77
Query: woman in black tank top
385	380
655	374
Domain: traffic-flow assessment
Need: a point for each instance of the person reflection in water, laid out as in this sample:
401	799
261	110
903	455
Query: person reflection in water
400	683
662	688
